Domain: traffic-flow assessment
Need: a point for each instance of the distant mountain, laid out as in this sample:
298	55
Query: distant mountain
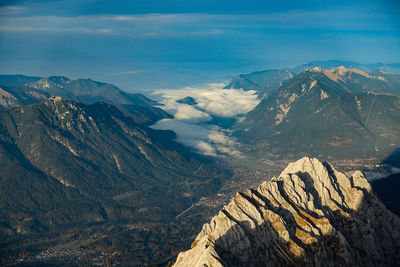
268	80
331	64
187	100
319	113
378	81
87	91
13	95
54	85
144	114
260	81
311	215
65	164
17	80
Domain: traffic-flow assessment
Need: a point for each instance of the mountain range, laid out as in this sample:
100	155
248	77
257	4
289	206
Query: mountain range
311	215
81	170
363	77
66	165
341	113
19	89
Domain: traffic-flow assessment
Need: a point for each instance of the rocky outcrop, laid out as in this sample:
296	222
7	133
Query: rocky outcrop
311	215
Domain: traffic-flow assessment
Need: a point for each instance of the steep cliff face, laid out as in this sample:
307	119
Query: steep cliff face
312	215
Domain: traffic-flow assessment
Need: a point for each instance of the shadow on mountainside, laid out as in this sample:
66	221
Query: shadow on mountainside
394	158
365	238
387	189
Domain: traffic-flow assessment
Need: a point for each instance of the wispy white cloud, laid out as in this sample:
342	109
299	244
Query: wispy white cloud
223	142
212	99
189	133
82	30
193	123
103	31
149	35
206	149
189	25
23	29
128	72
153	17
12	10
206	139
332	19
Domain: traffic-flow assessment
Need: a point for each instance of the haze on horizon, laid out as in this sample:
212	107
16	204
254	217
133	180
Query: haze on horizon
149	45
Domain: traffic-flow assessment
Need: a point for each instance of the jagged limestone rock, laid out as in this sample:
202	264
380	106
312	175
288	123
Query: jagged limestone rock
311	215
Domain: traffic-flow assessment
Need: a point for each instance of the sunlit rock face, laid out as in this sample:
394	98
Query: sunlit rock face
311	215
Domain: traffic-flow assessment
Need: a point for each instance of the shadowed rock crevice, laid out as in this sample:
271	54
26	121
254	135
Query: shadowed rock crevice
295	207
286	216
311	215
334	181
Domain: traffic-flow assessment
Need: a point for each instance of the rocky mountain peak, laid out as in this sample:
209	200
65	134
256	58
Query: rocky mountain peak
55	99
60	102
310	215
341	71
310	87
327	73
313	69
49	82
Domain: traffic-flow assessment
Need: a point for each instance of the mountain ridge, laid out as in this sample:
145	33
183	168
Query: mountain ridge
268	80
87	91
303	115
81	90
311	215
66	165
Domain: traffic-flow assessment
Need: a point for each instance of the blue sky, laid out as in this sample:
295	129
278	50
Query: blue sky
146	45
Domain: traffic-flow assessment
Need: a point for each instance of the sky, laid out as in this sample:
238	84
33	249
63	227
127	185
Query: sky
145	45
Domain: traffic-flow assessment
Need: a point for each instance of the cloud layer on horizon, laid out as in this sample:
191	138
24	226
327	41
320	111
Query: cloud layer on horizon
172	41
154	25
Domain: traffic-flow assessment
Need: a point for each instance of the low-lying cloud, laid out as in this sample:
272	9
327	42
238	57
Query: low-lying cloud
194	123
213	99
